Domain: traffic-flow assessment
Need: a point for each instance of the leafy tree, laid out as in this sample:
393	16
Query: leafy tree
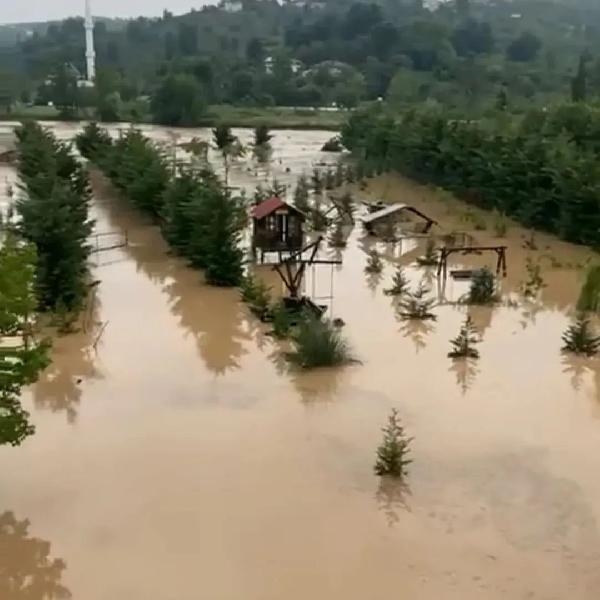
21	358
392	454
178	101
473	37
524	48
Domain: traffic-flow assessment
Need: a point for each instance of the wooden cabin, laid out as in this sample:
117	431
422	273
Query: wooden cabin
278	226
396	213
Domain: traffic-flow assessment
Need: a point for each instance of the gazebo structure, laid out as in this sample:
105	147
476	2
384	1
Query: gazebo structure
445	252
395	212
277	227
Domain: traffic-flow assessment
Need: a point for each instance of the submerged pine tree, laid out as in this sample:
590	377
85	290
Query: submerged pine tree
399	283
301	194
374	262
417	305
392	454
463	346
579	337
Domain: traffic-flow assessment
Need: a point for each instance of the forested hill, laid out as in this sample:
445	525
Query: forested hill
464	54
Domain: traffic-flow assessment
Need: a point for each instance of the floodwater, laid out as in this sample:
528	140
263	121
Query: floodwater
176	457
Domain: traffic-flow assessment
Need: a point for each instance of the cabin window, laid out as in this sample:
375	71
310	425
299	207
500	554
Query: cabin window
271	223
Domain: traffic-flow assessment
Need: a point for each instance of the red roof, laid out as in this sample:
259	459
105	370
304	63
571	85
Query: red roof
266	207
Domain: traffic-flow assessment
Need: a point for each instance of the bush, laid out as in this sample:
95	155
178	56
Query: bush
334	144
483	288
392	453
282	321
318	344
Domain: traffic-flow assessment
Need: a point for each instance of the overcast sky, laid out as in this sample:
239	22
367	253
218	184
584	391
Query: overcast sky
14	11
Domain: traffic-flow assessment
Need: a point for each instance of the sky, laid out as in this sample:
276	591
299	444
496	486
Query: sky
15	11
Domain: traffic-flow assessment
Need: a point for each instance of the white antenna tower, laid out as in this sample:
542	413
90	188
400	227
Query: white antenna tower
90	54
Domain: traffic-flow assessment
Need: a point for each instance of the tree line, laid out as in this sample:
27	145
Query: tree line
463	53
43	264
199	217
542	170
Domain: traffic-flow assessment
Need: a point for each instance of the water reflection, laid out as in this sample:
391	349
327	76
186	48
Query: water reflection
416	330
317	385
27	572
73	361
391	497
465	371
212	316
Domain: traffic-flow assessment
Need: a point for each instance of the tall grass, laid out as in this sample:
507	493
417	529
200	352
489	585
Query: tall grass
589	297
318	344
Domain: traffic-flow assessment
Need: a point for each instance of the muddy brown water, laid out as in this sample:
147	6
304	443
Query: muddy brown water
181	459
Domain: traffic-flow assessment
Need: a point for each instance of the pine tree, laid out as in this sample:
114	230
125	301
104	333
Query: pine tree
339	174
301	195
21	358
223	254
579	337
392	454
317	181
374	262
463	346
399	283
416	305
54	216
329	179
430	258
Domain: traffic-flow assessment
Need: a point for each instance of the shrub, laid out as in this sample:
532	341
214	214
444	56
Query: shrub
392	454
463	346
282	321
483	288
579	338
333	144
318	344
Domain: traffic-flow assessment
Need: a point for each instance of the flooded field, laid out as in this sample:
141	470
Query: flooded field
176	456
